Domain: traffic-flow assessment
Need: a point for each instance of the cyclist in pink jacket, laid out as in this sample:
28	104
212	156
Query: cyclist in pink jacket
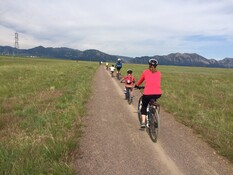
152	78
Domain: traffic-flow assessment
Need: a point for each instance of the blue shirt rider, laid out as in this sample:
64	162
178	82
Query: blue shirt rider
118	65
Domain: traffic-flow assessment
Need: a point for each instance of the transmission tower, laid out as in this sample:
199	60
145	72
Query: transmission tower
16	40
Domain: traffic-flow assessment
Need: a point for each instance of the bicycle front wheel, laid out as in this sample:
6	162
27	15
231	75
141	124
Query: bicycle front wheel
139	110
154	126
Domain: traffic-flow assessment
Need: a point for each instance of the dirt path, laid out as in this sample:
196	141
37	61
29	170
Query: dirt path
112	142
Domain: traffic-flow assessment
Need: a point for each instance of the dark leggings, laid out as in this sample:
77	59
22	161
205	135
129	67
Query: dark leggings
146	100
118	69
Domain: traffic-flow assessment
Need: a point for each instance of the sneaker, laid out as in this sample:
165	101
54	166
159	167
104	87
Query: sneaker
143	125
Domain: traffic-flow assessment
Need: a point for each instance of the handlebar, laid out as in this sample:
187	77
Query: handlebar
139	87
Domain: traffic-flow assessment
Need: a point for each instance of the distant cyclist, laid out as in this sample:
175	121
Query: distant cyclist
152	78
112	69
106	64
118	65
129	81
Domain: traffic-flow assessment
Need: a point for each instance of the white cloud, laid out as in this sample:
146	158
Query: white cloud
123	27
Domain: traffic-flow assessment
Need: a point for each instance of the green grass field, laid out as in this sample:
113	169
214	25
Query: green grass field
42	102
201	98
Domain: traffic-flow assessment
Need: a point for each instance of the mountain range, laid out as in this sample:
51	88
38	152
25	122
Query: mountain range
178	59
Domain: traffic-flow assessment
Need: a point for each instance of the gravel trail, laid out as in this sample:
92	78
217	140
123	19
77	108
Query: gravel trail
112	142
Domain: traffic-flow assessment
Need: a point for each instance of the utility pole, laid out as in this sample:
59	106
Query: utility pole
16	43
16	40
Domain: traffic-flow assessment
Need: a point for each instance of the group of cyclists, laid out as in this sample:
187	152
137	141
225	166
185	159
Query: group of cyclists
118	66
152	81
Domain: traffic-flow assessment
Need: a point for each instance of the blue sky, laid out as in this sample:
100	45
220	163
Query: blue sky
123	27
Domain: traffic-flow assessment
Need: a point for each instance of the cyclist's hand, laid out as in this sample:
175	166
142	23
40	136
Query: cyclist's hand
136	87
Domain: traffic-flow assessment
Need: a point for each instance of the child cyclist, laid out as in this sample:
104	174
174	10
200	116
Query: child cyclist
112	69
129	82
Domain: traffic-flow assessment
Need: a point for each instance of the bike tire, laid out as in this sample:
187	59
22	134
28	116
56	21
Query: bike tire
129	96
139	110
126	94
154	126
130	100
118	76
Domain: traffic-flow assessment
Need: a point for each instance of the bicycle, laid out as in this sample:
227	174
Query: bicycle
128	95
152	117
128	90
118	75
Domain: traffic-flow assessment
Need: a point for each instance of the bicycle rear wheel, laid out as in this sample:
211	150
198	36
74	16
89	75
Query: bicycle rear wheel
139	110
118	76
154	126
128	95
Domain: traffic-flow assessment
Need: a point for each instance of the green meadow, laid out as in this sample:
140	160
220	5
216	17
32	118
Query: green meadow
200	98
41	105
42	102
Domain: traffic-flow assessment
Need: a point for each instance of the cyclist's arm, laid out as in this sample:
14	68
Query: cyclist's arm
142	78
134	80
122	80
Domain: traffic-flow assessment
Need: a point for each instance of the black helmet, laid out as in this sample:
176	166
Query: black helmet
153	62
129	71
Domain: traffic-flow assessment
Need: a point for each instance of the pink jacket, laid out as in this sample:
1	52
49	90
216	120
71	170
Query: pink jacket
152	82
